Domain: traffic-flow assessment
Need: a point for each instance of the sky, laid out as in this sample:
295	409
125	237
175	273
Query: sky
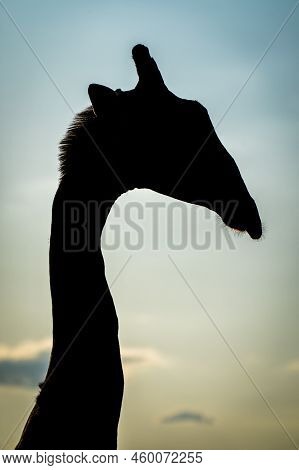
185	388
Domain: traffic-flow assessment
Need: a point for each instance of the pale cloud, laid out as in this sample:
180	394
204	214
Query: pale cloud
147	356
137	359
34	348
25	351
26	363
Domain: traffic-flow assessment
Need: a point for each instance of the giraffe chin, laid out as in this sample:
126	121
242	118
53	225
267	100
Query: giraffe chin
255	232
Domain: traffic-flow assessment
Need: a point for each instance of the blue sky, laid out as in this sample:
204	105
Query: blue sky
206	51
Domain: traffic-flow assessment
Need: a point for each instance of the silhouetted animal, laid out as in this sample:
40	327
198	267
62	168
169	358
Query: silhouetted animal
141	138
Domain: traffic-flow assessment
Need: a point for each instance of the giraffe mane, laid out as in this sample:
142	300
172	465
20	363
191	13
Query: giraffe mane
77	138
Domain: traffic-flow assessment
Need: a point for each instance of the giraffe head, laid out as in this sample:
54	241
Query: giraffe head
149	138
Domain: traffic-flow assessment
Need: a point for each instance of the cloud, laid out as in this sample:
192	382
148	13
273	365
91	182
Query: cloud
138	359
187	417
26	363
26	373
25	350
147	356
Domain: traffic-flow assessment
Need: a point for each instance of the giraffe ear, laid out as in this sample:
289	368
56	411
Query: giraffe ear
102	98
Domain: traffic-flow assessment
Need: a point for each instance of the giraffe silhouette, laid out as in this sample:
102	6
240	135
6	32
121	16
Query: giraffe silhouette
142	138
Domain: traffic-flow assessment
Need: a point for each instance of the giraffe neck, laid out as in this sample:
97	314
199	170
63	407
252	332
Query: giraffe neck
83	311
85	367
80	400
